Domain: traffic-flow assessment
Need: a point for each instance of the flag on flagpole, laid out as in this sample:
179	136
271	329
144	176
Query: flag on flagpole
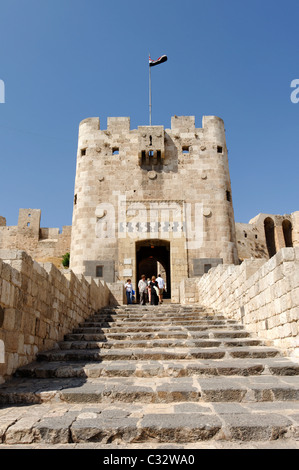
161	59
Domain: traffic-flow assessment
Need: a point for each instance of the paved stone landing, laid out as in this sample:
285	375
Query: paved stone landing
154	376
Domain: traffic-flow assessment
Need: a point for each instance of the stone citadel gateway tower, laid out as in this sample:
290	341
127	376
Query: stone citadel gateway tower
152	195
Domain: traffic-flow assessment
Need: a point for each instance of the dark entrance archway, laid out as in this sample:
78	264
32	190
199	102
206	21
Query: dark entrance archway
287	233
270	236
148	254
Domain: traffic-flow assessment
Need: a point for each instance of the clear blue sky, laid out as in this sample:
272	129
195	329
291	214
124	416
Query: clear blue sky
65	60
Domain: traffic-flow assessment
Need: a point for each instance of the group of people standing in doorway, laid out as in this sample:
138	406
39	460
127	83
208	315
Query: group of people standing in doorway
150	290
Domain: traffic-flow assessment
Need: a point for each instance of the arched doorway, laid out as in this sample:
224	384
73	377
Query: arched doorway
270	236
149	253
287	233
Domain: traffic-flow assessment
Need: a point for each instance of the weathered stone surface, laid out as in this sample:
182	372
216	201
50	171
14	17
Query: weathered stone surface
22	431
246	427
191	408
262	294
54	430
40	306
183	427
105	429
134	395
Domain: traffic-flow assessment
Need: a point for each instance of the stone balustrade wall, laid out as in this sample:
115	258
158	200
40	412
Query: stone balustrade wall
38	306
264	296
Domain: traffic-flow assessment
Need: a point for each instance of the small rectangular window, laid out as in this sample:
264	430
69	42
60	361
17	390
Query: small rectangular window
115	151
185	149
228	196
207	268
151	153
83	152
99	271
219	149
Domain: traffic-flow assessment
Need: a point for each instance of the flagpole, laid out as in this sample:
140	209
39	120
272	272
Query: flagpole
151	62
150	95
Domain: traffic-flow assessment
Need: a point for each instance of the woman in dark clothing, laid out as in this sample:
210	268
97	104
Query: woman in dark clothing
154	295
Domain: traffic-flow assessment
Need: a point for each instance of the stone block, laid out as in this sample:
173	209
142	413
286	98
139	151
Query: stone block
9	319
6	293
285	254
8	254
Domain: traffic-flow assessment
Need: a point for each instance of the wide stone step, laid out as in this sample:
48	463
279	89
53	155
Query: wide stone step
156	354
146	329
150	324
158	343
131	425
257	388
130	336
133	355
130	344
179	368
159	318
157	309
150	321
174	334
154	312
146	321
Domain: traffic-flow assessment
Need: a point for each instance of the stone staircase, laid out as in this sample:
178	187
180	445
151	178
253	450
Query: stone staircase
166	375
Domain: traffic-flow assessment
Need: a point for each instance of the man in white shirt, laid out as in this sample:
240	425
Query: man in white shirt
142	286
161	285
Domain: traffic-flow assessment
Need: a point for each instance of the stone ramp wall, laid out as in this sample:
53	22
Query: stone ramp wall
264	296
38	306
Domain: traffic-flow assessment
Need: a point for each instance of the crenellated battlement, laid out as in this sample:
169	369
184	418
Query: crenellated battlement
150	147
181	123
42	243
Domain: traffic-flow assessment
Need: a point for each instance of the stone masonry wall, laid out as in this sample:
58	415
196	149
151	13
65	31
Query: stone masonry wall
263	295
134	186
38	306
251	237
49	244
42	244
